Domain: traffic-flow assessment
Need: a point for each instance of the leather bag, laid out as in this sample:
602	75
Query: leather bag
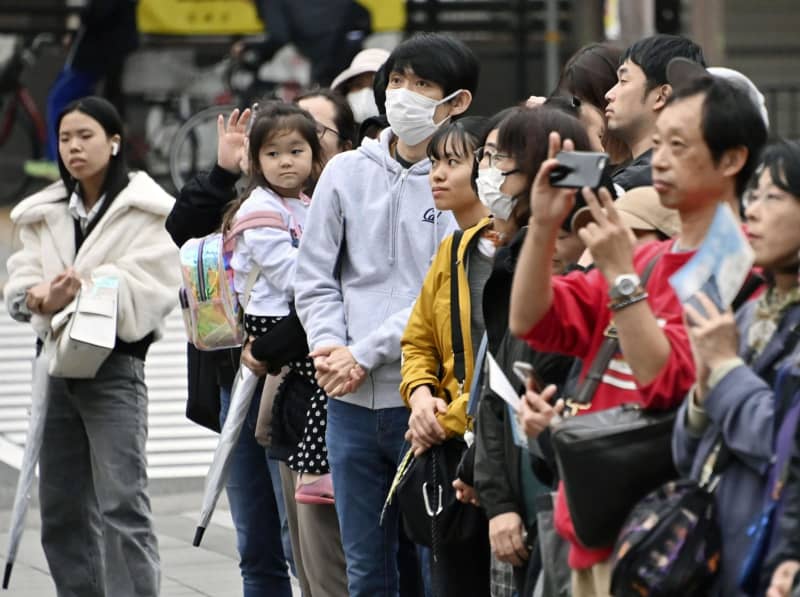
610	459
85	331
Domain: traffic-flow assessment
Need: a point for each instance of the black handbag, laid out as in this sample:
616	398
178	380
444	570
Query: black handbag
202	400
608	460
430	512
290	413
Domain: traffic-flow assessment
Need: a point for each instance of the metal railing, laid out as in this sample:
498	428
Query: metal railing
39	16
513	30
783	102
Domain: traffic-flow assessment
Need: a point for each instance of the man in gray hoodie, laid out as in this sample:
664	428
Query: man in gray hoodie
370	235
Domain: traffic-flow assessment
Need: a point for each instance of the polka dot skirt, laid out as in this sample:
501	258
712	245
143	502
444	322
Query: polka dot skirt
310	455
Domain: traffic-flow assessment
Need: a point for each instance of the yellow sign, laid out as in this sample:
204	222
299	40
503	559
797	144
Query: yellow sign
239	17
387	15
198	17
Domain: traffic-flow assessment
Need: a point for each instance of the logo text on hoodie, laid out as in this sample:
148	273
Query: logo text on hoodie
431	215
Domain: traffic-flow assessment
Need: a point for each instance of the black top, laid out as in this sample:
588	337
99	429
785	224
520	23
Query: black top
497	458
636	173
107	35
201	204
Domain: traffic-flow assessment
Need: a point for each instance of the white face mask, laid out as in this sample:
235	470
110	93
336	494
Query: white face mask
496	201
362	103
411	114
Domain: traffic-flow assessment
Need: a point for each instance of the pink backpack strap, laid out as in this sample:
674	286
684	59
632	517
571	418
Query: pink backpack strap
256	219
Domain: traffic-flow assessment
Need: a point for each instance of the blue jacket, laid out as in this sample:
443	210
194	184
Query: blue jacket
740	407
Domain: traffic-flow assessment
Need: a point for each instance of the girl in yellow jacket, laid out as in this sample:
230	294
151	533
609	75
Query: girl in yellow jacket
430	387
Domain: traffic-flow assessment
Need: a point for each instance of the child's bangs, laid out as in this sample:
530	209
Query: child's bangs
283	125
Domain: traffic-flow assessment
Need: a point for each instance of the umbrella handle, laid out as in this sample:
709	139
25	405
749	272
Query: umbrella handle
7	574
198	536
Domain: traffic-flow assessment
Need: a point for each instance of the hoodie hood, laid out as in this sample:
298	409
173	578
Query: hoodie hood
379	150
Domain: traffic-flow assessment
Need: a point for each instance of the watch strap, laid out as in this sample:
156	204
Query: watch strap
607	350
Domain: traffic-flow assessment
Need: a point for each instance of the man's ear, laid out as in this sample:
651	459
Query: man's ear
662	95
460	103
733	160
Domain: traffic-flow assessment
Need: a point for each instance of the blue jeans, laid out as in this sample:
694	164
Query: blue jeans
277	489
363	449
254	508
70	85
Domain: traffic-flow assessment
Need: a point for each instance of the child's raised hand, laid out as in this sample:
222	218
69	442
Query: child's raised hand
231	138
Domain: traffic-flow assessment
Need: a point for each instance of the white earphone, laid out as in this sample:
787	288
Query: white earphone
114	148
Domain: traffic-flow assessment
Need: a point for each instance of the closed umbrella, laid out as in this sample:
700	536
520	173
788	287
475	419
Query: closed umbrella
30	457
241	396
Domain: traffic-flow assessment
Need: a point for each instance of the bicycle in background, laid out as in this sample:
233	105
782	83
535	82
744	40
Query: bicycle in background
23	130
194	145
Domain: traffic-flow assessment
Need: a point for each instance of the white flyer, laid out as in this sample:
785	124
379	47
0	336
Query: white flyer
499	384
720	266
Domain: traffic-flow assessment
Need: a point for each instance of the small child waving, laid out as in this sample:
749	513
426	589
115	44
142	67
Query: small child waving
284	158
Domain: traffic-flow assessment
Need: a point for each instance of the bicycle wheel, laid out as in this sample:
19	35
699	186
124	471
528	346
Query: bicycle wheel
194	147
18	144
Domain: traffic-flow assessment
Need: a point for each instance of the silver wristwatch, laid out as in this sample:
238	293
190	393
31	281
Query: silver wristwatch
624	287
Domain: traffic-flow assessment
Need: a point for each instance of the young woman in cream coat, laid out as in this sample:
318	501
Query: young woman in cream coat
98	221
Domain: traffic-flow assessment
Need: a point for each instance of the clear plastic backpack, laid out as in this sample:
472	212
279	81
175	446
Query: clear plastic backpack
212	314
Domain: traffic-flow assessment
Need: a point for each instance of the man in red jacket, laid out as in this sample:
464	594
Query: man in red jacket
706	145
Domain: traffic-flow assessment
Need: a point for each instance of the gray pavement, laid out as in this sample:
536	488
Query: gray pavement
210	570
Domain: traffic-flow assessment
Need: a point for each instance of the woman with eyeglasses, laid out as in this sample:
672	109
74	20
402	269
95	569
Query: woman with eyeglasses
336	126
739	358
507	478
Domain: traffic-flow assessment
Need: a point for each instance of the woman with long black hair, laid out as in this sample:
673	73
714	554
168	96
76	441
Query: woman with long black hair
99	224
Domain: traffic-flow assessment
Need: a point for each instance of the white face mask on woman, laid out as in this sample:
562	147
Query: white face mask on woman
496	201
411	114
362	103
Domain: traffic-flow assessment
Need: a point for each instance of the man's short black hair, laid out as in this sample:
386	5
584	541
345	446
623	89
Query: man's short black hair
652	54
729	119
439	58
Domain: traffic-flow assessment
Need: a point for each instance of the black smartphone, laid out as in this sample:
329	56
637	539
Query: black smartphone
579	169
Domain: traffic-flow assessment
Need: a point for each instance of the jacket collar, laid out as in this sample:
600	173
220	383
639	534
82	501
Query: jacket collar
472	233
141	193
50	206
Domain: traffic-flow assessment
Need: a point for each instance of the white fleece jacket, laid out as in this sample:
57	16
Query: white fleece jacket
129	242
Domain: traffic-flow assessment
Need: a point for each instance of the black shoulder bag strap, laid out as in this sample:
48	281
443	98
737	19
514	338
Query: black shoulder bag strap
459	368
606	352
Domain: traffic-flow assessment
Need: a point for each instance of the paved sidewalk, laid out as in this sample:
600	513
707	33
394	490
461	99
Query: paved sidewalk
210	570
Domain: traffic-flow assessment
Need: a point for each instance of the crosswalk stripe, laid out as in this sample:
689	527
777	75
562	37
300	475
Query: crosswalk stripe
176	448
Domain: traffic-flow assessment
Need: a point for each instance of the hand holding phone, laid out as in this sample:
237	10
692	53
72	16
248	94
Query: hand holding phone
525	371
578	169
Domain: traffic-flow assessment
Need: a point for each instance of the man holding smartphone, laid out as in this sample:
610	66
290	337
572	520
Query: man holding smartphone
706	144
